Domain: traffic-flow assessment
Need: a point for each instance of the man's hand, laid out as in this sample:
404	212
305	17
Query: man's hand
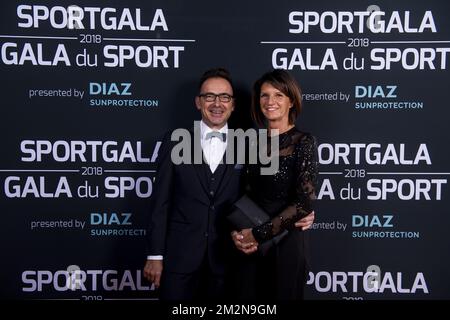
306	222
244	241
152	271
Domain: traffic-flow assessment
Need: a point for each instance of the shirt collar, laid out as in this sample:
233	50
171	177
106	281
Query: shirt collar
204	129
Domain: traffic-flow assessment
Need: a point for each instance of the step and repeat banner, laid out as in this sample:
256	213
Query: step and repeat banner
88	88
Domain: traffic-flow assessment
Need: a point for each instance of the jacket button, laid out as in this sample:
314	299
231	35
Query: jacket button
211	193
205	234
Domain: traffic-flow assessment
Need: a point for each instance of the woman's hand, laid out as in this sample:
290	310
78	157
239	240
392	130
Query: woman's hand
244	241
306	222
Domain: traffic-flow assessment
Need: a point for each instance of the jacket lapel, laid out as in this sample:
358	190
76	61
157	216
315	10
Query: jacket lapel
229	167
198	152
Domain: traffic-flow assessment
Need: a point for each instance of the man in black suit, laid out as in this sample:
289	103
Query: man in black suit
189	243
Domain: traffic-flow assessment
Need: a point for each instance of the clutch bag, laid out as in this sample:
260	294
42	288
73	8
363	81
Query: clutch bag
247	214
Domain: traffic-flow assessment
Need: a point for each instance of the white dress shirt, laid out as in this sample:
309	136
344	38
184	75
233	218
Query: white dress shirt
213	148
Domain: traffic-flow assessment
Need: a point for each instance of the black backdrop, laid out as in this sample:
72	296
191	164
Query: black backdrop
57	144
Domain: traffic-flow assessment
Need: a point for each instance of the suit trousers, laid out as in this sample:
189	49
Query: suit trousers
200	285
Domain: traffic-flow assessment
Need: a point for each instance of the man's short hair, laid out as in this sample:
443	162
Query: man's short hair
215	73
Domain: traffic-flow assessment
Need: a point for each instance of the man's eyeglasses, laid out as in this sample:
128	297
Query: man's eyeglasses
211	97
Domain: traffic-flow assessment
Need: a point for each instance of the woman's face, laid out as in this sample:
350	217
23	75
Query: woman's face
274	104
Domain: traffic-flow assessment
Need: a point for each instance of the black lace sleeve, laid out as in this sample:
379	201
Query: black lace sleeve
305	169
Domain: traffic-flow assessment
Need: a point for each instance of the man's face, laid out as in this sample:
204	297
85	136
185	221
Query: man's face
215	113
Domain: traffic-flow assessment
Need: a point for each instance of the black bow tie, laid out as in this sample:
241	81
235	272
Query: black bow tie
221	135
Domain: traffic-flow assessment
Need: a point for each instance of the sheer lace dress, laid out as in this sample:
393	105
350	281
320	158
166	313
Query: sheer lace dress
289	194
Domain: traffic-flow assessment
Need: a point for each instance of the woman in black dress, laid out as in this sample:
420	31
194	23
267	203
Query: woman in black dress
287	197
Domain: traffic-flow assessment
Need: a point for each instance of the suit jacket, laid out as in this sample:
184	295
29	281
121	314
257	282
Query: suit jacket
187	221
